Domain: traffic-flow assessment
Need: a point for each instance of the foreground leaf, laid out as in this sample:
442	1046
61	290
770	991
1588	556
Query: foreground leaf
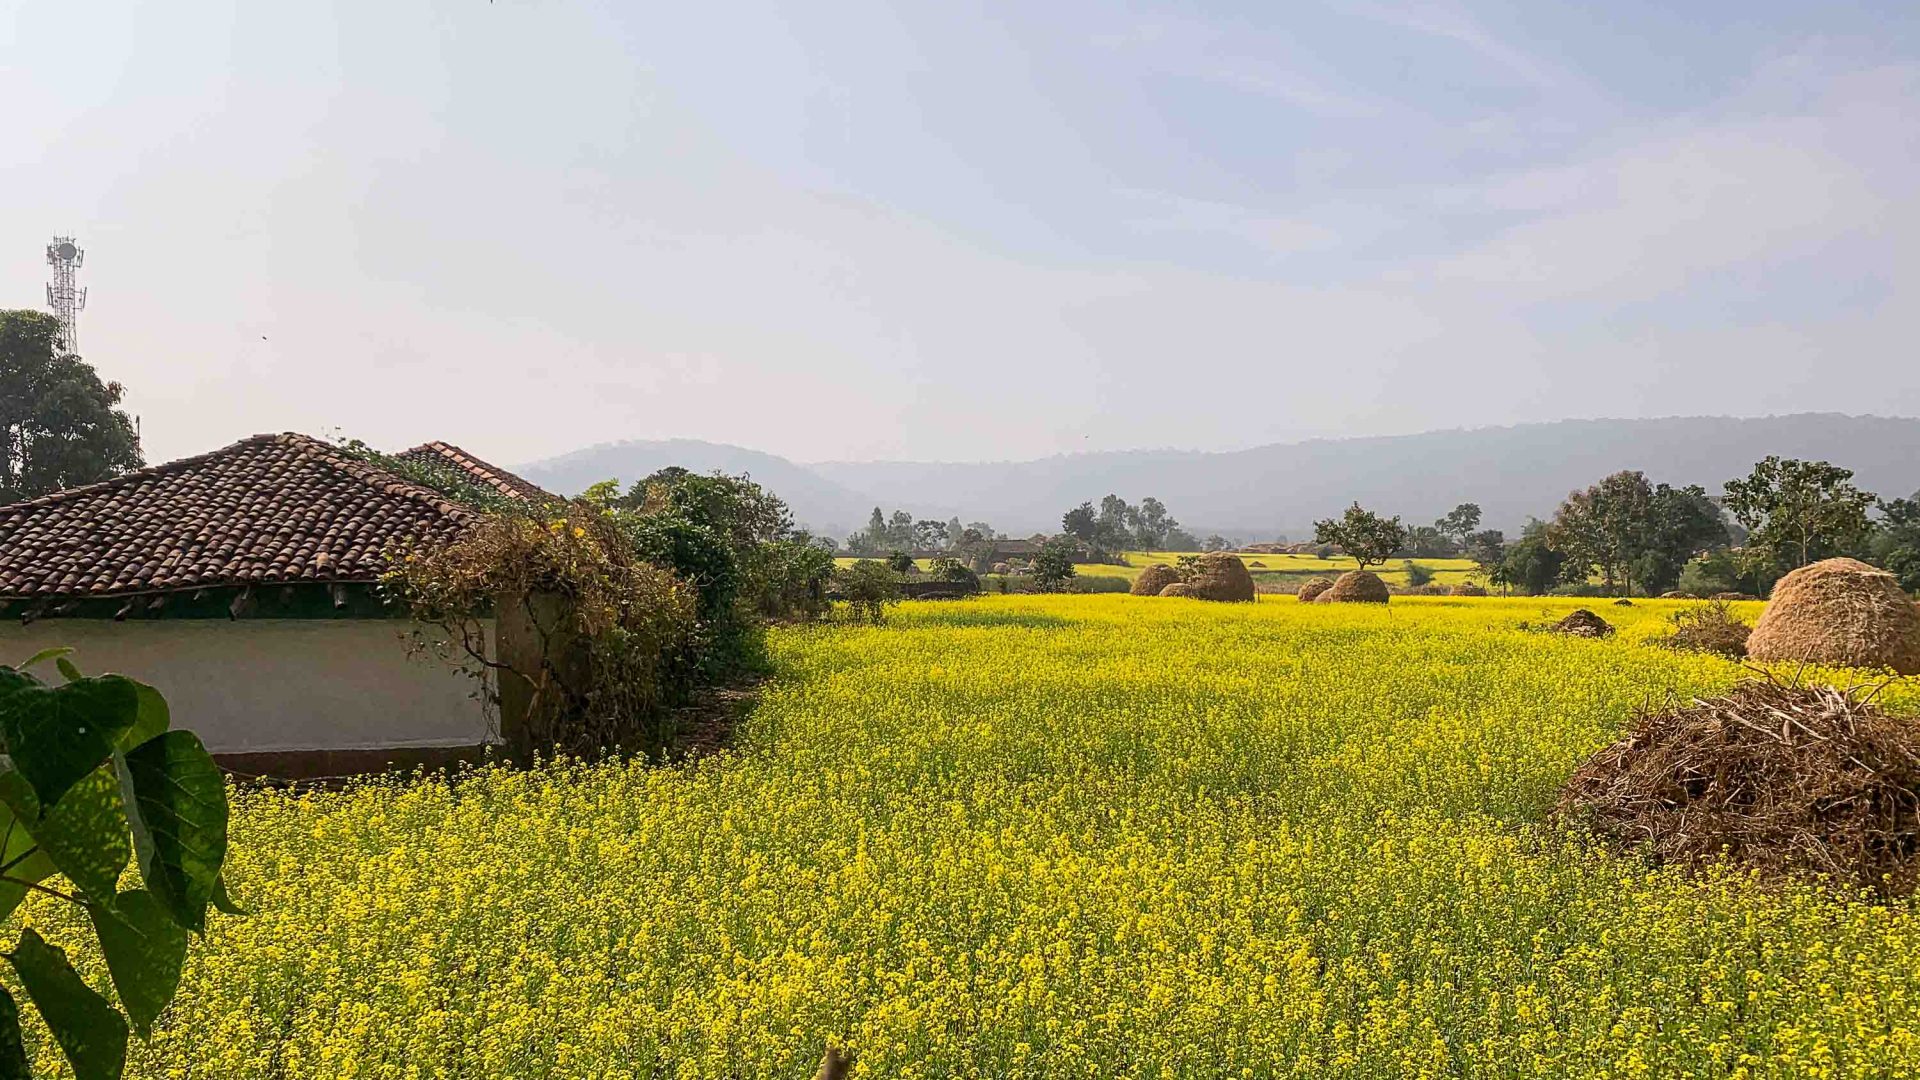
89	1030
56	735
152	719
224	903
178	810
85	834
51	652
145	950
13	1049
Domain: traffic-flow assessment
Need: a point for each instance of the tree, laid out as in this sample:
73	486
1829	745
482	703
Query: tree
1053	565
1459	522
1797	512
1487	549
1531	562
1595	529
900	563
1113	529
60	426
929	534
1154	524
1179	539
955	531
1681	523
1215	542
1080	522
900	530
1363	534
1896	544
868	587
1428	542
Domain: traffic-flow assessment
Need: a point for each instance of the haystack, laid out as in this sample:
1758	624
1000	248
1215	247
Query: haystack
1842	612
1312	589
1785	780
1153	579
1583	623
1623	602
1258	563
1741	595
1002	568
1710	628
1675	594
1468	588
1219	576
1178	588
1355	587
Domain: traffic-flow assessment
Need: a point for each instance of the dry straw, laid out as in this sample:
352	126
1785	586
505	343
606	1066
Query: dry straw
1583	623
1178	588
1355	587
1312	589
1468	588
1841	612
1220	576
1153	579
1782	779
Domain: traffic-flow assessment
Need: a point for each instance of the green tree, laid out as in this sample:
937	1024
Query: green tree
1597	530
1896	543
868	587
1459	522
1797	512
1428	542
1680	523
1531	563
1363	534
1487	549
900	563
1080	521
1053	565
60	426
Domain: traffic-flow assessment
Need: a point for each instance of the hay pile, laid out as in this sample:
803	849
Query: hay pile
1786	780
1675	594
1843	612
1178	588
1468	588
1153	579
1740	595
1583	623
1258	563
1002	568
1623	602
1220	576
1709	628
1356	587
1312	589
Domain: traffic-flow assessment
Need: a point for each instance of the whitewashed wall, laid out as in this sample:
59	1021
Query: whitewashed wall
275	684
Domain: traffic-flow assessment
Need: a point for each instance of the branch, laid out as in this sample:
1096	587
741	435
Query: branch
37	887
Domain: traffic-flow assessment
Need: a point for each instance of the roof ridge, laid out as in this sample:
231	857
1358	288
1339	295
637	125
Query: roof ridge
368	473
165	468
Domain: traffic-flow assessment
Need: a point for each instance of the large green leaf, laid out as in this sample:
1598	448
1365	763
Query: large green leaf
224	903
178	810
52	652
89	1029
58	734
145	949
20	854
85	834
13	1049
153	717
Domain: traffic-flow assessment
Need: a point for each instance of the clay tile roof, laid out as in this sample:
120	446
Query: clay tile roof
491	476
266	510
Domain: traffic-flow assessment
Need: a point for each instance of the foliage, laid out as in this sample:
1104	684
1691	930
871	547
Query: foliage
1896	543
1487	549
1459	523
1626	529
1427	542
60	426
1417	575
1711	627
1531	563
1717	572
95	776
617	647
1363	534
1120	526
796	573
900	563
439	476
1798	512
868	587
1053	565
1054	836
954	572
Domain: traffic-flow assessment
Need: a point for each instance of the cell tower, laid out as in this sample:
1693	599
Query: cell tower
66	299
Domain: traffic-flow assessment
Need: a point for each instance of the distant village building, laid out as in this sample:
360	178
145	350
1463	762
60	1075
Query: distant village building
240	583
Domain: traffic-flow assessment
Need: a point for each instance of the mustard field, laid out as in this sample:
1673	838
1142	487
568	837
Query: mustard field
1053	836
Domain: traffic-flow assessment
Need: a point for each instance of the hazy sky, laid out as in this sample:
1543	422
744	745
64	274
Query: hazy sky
943	231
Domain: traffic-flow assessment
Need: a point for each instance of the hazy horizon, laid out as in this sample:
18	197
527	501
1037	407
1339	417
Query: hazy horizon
968	234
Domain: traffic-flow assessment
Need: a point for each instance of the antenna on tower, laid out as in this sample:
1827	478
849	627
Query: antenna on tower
66	300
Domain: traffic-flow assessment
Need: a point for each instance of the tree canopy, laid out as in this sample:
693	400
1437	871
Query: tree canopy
1363	534
60	426
1797	512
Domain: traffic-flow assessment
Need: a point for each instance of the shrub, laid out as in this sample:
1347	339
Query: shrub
1709	628
868	587
1417	575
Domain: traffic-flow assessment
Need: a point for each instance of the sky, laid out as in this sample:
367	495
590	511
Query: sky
966	232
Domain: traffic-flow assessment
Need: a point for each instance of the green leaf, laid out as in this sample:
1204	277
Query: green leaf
57	735
18	795
85	834
67	670
224	903
145	950
12	679
178	811
13	1049
52	652
22	856
89	1029
152	719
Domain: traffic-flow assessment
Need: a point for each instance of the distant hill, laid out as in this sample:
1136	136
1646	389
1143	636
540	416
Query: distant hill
1512	472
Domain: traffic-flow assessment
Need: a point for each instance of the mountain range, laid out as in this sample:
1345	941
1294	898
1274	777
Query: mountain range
1278	490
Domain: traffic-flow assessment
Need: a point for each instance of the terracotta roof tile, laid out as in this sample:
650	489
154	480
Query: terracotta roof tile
482	473
272	508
